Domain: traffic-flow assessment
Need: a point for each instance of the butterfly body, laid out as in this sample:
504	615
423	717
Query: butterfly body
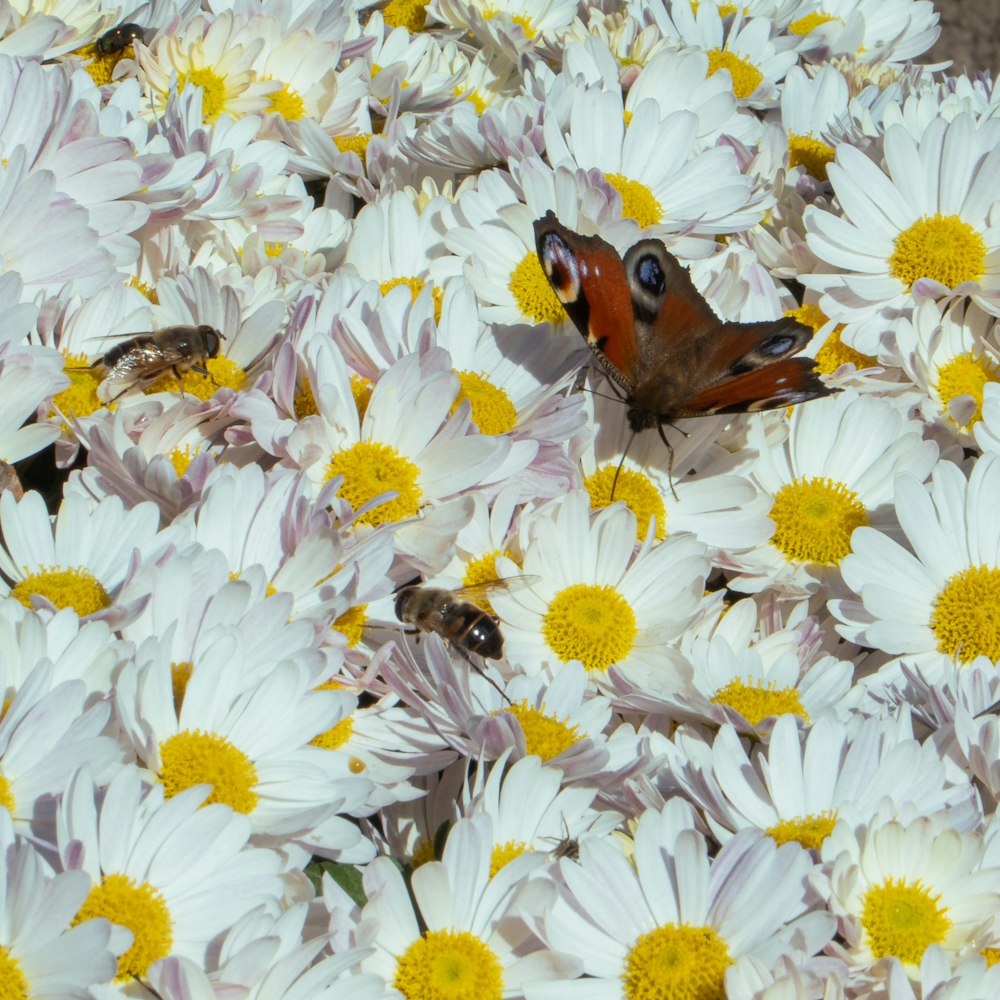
659	341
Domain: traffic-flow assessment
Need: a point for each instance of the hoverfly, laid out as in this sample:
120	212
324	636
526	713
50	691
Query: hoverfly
141	360
118	39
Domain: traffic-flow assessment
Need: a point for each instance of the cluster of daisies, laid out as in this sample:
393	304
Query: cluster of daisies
742	742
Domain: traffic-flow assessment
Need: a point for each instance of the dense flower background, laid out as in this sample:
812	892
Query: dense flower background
744	740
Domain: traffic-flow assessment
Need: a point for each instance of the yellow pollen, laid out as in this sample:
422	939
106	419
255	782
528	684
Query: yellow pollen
815	518
275	249
545	735
492	410
525	22
370	468
213	101
966	375
180	674
903	919
638	202
533	293
305	401
288	103
416	286
13	985
835	353
992	956
941	247
503	853
148	291
140	908
809	314
477	99
352	624
194	757
966	615
756	701
102	66
592	623
746	77
181	458
676	962
353	143
222	373
409	14
361	389
335	738
80	396
75	588
811	22
449	965
805	151
809	831
635	488
626	115
6	800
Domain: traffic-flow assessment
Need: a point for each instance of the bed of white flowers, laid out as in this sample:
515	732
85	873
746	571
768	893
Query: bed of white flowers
743	742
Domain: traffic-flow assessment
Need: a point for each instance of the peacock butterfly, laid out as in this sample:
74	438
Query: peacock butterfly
659	341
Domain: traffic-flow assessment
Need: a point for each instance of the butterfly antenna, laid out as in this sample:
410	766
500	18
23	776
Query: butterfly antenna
670	463
618	471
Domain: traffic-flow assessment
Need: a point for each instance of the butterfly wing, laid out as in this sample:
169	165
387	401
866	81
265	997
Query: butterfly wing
589	279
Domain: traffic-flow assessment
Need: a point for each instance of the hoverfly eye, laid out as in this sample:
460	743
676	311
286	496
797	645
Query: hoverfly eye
651	275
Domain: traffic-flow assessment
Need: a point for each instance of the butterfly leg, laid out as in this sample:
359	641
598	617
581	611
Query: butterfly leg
670	463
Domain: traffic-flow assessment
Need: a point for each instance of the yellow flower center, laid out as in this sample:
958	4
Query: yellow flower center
304	400
746	77
147	290
811	22
335	738
409	14
288	103
815	518
140	908
809	831
992	956
6	795
483	570
222	373
476	98
504	853
181	458
422	853
449	965
361	390
638	202
352	624
213	86
276	248
757	701
966	375
943	248
492	410
903	919
13	984
966	615
636	489
180	674
370	468
591	623
194	757
75	588
545	735
805	151
416	286
835	353
533	293
676	962
353	143
80	396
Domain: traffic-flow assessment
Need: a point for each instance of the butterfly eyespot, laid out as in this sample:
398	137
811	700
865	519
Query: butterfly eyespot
651	276
775	347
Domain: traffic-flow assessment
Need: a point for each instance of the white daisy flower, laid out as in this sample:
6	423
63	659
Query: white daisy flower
933	600
810	106
902	238
896	889
29	376
987	431
676	917
595	599
450	932
153	866
937	975
831	475
801	788
80	558
45	951
509	27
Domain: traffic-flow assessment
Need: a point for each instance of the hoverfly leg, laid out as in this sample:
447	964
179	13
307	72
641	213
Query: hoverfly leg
482	673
